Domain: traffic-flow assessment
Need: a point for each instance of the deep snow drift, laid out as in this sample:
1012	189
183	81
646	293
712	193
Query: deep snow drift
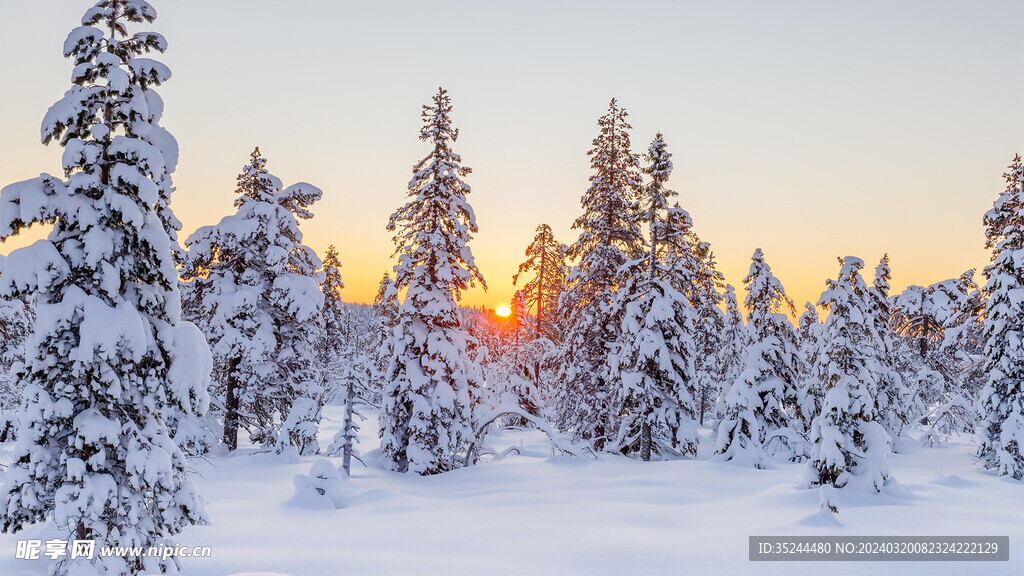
532	513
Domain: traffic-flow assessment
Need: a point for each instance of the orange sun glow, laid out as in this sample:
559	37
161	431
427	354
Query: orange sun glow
503	311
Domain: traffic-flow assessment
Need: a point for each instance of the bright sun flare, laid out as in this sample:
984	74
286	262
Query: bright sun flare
503	311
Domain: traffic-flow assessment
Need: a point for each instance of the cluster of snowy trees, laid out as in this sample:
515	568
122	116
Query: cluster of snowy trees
125	352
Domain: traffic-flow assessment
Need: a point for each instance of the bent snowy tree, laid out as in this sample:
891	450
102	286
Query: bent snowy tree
426	426
111	358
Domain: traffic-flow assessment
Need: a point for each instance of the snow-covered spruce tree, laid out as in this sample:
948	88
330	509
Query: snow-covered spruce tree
426	425
702	287
811	340
334	336
609	237
256	291
652	371
734	341
762	401
385	318
847	443
545	257
345	366
1001	404
110	355
891	396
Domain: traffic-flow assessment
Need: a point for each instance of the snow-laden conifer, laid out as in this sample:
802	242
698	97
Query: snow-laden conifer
734	341
426	425
703	288
891	396
345	365
609	237
110	360
1001	404
256	292
764	396
652	372
811	345
847	443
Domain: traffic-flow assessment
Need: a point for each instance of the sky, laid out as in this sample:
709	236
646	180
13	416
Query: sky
811	130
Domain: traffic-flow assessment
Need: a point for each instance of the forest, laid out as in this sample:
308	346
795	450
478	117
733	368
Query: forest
131	356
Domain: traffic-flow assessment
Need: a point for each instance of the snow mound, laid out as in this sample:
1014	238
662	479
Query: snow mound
822	518
320	489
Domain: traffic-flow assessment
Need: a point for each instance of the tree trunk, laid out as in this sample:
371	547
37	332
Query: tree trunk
346	455
540	290
231	406
599	438
703	402
645	440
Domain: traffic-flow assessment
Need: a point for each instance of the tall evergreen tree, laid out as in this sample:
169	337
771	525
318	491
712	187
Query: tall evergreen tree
847	443
811	339
891	396
1001	404
545	256
110	356
335	325
427	421
703	288
255	288
609	237
385	315
345	365
764	397
734	341
652	371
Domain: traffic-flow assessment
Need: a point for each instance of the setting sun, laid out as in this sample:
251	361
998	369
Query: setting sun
503	311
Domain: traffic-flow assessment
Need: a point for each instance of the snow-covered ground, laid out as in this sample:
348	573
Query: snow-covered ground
536	514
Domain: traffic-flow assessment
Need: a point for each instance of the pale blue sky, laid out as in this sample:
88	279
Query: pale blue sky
809	129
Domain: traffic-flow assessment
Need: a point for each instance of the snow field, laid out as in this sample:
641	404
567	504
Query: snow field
535	514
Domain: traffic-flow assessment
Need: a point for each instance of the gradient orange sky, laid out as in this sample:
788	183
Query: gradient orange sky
808	130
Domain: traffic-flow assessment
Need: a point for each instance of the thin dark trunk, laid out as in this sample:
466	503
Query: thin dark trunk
645	440
540	289
231	406
599	437
346	456
703	402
